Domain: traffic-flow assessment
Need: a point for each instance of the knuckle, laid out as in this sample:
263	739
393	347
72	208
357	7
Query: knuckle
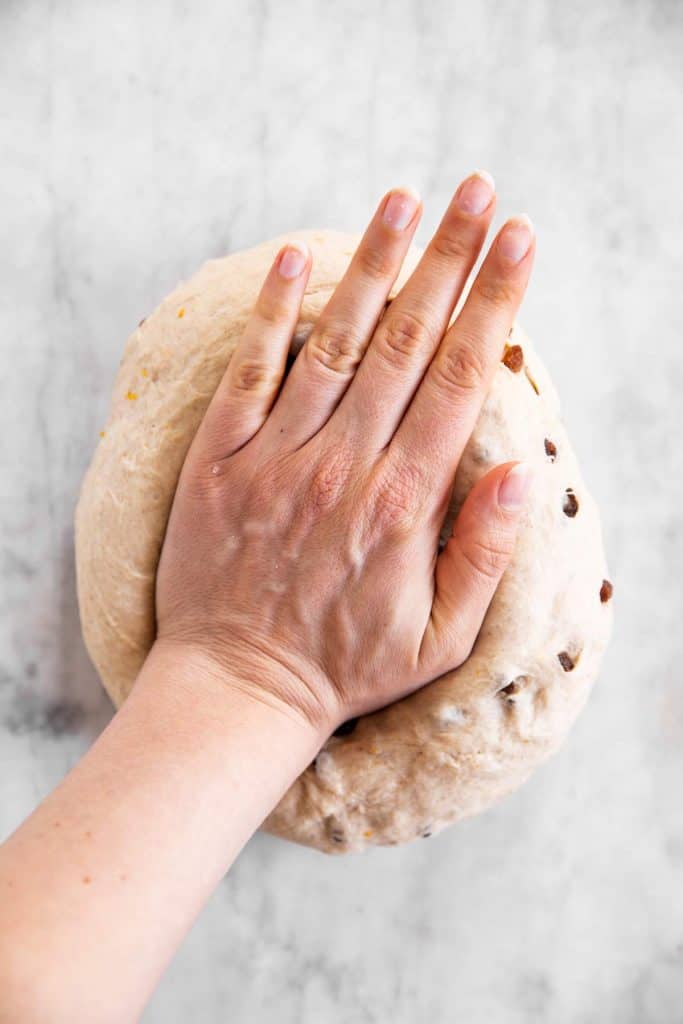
487	554
328	481
401	334
271	313
395	501
452	246
375	262
253	376
495	291
334	348
460	369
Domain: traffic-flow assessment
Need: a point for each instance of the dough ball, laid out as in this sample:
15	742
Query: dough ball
463	741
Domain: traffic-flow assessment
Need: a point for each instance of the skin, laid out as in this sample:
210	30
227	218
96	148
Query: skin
300	584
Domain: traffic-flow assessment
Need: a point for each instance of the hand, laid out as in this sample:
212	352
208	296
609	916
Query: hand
301	556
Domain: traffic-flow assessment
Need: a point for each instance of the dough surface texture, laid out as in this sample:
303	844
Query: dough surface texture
463	741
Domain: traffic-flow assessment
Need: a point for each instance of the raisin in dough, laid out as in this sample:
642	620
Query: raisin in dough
454	747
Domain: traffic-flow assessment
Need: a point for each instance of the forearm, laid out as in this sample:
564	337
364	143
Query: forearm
103	880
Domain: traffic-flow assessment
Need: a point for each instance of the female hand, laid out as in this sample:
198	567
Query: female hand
301	556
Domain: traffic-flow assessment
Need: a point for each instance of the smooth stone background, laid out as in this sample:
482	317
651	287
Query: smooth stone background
140	138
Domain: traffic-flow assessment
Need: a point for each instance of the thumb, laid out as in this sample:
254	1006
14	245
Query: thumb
469	568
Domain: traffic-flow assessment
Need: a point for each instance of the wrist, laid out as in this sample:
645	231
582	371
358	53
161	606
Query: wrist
201	676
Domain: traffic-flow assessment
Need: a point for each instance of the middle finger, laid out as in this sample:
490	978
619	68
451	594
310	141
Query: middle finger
414	324
328	360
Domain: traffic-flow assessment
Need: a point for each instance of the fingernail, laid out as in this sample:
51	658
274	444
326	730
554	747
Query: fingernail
400	208
475	193
515	487
293	259
516	238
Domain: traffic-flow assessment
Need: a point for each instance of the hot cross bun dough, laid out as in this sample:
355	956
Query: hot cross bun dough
461	742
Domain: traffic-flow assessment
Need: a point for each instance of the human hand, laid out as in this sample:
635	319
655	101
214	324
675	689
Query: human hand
301	557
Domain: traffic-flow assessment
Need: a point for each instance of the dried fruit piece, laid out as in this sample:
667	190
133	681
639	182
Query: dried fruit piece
346	728
606	591
570	505
566	661
550	449
509	690
513	357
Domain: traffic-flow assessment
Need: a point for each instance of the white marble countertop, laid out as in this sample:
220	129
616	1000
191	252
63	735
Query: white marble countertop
140	138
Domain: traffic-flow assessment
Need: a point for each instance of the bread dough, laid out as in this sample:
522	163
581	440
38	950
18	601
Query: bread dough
457	745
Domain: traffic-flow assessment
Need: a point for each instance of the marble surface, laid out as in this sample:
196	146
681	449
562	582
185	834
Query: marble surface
138	139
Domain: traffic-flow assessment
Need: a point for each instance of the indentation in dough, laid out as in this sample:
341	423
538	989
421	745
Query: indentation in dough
525	702
511	691
481	454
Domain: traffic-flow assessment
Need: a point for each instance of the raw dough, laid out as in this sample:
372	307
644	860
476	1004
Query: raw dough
460	743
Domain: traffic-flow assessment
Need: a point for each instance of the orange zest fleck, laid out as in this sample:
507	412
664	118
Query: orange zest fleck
367	833
143	372
181	312
131	396
102	433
